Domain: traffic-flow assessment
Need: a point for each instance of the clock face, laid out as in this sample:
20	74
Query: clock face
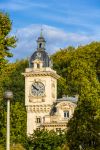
39	54
38	89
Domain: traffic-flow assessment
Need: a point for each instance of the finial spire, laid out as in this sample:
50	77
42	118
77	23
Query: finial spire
41	33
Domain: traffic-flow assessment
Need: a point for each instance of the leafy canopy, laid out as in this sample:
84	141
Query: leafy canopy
6	41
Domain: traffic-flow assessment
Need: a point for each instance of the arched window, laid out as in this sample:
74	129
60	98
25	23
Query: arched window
40	45
66	114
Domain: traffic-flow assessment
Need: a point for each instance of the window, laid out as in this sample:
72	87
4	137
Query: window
38	65
40	45
66	114
38	120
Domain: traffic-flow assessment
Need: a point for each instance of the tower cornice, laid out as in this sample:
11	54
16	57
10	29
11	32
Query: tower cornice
41	73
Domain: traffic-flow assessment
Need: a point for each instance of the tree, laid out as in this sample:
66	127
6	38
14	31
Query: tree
18	123
16	80
83	128
77	65
83	67
61	60
13	80
81	72
45	140
6	41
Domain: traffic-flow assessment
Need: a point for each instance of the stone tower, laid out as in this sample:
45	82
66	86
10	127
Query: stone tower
40	87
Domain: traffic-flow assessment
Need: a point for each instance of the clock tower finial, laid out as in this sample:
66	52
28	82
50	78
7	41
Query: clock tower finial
41	42
41	33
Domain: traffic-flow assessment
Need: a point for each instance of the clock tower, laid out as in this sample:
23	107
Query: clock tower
40	87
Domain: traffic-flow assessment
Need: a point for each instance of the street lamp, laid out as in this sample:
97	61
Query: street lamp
8	95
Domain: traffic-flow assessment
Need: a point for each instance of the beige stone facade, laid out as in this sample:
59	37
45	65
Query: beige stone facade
44	110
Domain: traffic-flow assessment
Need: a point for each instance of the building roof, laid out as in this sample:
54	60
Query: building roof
67	98
41	55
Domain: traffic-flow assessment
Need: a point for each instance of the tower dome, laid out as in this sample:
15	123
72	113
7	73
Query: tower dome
40	53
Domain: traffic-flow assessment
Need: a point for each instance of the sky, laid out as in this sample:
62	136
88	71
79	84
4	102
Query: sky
64	23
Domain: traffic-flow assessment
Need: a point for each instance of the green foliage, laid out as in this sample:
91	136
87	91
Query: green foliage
61	60
80	69
62	87
18	123
83	67
45	140
84	126
13	80
17	84
77	67
6	41
93	148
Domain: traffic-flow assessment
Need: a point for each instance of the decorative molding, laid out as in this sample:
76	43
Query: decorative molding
35	99
60	124
66	105
39	108
41	73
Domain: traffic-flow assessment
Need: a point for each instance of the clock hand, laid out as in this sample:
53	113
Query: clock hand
35	87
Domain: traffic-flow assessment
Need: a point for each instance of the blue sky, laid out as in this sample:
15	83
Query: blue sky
64	23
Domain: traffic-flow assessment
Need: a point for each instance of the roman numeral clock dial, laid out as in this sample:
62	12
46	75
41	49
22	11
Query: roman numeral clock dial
37	89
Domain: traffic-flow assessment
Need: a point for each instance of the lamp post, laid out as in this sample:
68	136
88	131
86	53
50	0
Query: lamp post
8	95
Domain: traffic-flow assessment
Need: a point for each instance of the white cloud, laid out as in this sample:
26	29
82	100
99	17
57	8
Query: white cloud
11	6
17	5
55	37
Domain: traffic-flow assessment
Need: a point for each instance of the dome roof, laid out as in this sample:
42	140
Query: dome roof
41	55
